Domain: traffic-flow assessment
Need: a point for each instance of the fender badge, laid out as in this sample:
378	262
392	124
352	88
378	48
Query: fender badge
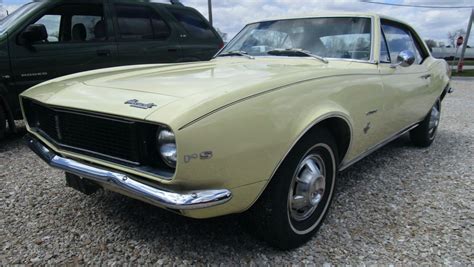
134	103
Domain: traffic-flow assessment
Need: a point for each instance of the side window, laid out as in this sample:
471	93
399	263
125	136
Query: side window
52	24
74	23
196	26
140	23
94	25
384	54
400	39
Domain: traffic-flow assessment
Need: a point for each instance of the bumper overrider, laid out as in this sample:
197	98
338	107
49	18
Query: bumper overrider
124	183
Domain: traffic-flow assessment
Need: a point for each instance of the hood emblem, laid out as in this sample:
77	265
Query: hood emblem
134	103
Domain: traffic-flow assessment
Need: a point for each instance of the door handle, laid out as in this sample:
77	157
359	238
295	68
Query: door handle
173	50
103	53
425	76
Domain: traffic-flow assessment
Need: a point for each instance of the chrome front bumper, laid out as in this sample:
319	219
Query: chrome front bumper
124	183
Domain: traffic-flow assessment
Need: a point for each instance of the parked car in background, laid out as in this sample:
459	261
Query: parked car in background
263	128
47	39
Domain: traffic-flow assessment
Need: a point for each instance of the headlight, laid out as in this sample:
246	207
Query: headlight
167	147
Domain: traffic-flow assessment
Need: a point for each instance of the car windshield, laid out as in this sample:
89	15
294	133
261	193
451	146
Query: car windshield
333	37
13	17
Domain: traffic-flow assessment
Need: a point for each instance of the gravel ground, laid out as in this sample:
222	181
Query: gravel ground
400	205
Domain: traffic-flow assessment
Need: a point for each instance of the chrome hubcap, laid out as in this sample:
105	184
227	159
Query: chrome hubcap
307	187
434	119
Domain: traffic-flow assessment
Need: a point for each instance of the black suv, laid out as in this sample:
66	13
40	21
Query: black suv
50	38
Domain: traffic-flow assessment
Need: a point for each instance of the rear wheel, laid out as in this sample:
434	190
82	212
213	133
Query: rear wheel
3	122
296	201
424	134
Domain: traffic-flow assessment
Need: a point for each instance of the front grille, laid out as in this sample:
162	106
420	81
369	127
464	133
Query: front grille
86	133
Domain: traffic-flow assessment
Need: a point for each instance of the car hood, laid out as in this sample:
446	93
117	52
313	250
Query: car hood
178	93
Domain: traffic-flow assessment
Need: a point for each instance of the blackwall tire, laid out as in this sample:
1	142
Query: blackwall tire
425	133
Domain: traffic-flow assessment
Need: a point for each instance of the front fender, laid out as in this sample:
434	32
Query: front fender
249	140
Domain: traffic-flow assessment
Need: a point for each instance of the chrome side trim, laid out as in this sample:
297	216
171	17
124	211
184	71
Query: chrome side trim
123	183
374	148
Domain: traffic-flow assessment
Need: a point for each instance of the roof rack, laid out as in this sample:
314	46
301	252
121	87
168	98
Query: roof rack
176	3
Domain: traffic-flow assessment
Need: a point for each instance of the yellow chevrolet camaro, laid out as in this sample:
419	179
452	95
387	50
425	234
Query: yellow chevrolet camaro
262	129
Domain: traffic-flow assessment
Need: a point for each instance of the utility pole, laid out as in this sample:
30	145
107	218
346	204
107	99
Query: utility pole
209	3
463	51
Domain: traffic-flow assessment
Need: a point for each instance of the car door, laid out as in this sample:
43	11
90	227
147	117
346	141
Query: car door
198	40
79	38
405	87
144	36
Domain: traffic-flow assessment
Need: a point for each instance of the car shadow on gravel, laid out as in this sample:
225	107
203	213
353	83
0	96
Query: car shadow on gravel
160	228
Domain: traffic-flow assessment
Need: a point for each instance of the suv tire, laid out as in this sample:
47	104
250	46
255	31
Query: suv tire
3	123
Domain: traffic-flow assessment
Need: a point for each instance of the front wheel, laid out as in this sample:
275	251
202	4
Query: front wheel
296	201
424	134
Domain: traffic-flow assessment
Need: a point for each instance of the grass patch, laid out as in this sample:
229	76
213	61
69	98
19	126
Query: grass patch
465	73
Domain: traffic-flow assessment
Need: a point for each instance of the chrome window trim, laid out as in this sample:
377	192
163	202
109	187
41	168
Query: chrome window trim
413	35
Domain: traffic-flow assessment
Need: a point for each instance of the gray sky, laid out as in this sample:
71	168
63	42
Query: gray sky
231	15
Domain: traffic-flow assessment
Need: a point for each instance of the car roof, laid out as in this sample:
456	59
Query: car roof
333	15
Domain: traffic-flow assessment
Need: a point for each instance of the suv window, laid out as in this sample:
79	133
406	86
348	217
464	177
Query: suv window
74	23
400	39
140	23
52	24
194	24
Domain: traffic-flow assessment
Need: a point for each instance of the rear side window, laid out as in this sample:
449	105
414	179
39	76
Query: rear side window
94	25
74	23
140	23
400	39
196	26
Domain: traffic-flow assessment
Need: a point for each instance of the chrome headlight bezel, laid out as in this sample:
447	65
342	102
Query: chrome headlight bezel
166	146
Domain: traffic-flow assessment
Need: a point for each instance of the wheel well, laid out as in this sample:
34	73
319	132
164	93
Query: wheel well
340	130
338	127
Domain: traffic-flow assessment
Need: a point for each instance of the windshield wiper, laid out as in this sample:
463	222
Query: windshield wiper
295	52
236	53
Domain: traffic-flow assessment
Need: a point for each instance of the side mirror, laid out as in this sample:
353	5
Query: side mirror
34	33
406	58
